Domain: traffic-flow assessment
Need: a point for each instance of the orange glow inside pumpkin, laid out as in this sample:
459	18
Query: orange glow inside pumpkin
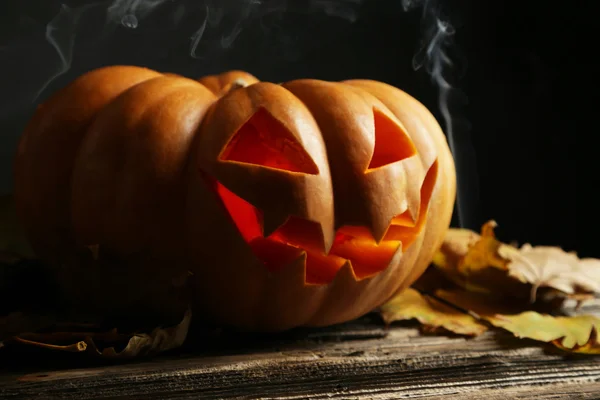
265	141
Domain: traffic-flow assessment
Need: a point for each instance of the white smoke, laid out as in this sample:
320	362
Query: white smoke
129	12
213	19
434	56
225	18
60	33
197	36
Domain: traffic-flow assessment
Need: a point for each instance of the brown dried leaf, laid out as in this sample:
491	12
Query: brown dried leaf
145	344
137	344
545	266
473	262
482	264
410	304
493	278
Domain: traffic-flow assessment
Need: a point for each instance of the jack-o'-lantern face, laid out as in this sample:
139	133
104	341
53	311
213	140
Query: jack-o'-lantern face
300	204
324	170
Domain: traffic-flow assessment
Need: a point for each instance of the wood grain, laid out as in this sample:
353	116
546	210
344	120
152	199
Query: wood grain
360	359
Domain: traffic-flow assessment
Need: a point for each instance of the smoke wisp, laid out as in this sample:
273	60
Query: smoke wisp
224	20
60	33
434	56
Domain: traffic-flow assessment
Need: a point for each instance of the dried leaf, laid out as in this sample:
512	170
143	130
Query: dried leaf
570	333
572	330
590	347
545	266
137	344
467	313
77	347
479	282
410	304
145	344
482	264
473	261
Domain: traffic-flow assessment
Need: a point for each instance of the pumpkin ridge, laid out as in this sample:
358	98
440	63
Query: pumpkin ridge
46	151
128	161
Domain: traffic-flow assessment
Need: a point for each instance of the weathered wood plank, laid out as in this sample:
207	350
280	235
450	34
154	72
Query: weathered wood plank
356	360
546	392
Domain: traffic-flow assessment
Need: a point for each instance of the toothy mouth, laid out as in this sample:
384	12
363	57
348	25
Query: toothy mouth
298	236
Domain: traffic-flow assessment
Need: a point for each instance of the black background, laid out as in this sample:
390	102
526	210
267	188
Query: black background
526	68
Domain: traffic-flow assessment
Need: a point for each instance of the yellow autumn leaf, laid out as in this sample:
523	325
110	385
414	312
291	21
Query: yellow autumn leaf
571	333
410	304
591	347
467	313
574	330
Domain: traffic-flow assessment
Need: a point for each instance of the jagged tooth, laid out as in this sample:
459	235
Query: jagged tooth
345	274
414	208
396	257
379	228
328	237
414	205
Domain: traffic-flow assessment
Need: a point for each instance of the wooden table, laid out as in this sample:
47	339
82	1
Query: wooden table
360	359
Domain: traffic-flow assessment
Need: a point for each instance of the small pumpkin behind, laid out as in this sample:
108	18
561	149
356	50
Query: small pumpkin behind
303	203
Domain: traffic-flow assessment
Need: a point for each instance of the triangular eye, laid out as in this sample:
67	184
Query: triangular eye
392	143
265	141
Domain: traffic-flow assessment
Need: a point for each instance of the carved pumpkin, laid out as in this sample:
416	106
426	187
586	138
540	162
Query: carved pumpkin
303	203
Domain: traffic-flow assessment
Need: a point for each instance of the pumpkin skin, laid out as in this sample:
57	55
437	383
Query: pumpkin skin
304	203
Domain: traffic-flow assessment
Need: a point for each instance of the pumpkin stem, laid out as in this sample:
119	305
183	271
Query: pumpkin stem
238	83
